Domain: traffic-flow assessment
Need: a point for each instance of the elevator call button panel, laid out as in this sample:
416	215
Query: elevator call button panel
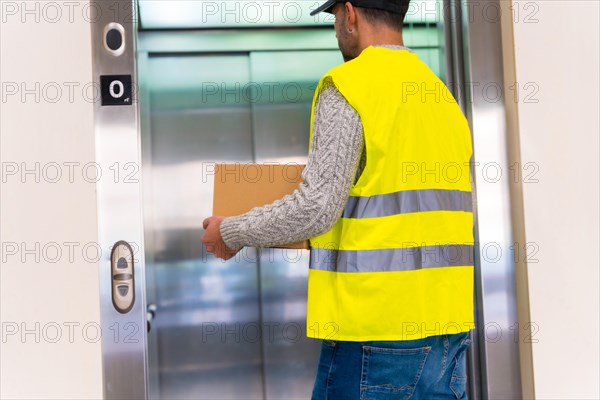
123	293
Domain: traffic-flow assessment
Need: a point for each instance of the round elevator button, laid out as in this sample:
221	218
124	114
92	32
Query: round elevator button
114	39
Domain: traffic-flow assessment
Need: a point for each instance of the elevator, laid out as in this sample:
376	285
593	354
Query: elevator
229	329
212	90
233	329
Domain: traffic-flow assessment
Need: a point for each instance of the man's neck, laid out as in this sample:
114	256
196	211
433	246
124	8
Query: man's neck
393	46
378	37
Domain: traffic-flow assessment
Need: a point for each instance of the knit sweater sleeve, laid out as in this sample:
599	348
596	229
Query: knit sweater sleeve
313	209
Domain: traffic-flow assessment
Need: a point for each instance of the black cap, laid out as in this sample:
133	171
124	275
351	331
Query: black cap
395	6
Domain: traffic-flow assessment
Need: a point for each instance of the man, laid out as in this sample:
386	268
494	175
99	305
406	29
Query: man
386	204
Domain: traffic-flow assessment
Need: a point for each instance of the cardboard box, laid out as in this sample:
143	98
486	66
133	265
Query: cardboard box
241	187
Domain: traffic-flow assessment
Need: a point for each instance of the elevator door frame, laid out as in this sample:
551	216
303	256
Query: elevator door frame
478	61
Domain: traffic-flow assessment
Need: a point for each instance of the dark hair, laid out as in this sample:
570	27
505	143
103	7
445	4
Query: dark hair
388	18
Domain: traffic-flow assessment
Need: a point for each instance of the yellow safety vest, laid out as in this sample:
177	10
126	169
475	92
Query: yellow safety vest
398	265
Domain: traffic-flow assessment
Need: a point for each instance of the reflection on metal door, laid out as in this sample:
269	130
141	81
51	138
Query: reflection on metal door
232	330
280	120
198	116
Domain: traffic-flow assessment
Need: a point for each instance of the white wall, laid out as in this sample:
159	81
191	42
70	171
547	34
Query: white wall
42	291
556	45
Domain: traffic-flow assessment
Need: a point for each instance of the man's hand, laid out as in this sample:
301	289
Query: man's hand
213	240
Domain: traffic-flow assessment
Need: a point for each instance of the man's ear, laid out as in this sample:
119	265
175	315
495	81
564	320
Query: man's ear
350	16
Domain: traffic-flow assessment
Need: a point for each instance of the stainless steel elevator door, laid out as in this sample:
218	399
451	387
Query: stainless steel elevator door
281	123
236	329
201	302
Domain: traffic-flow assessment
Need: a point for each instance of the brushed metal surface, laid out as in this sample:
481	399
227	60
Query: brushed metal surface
497	332
204	306
119	207
209	313
281	125
153	361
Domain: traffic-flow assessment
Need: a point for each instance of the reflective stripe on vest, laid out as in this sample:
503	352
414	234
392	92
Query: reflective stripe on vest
404	259
408	202
398	264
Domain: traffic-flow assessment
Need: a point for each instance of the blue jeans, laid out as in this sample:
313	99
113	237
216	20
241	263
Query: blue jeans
429	368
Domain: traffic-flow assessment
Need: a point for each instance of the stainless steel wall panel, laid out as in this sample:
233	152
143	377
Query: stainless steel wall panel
290	358
204	308
149	250
119	198
498	356
281	126
202	303
283	99
227	41
202	135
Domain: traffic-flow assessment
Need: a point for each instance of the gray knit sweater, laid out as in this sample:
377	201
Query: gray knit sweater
319	202
334	164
